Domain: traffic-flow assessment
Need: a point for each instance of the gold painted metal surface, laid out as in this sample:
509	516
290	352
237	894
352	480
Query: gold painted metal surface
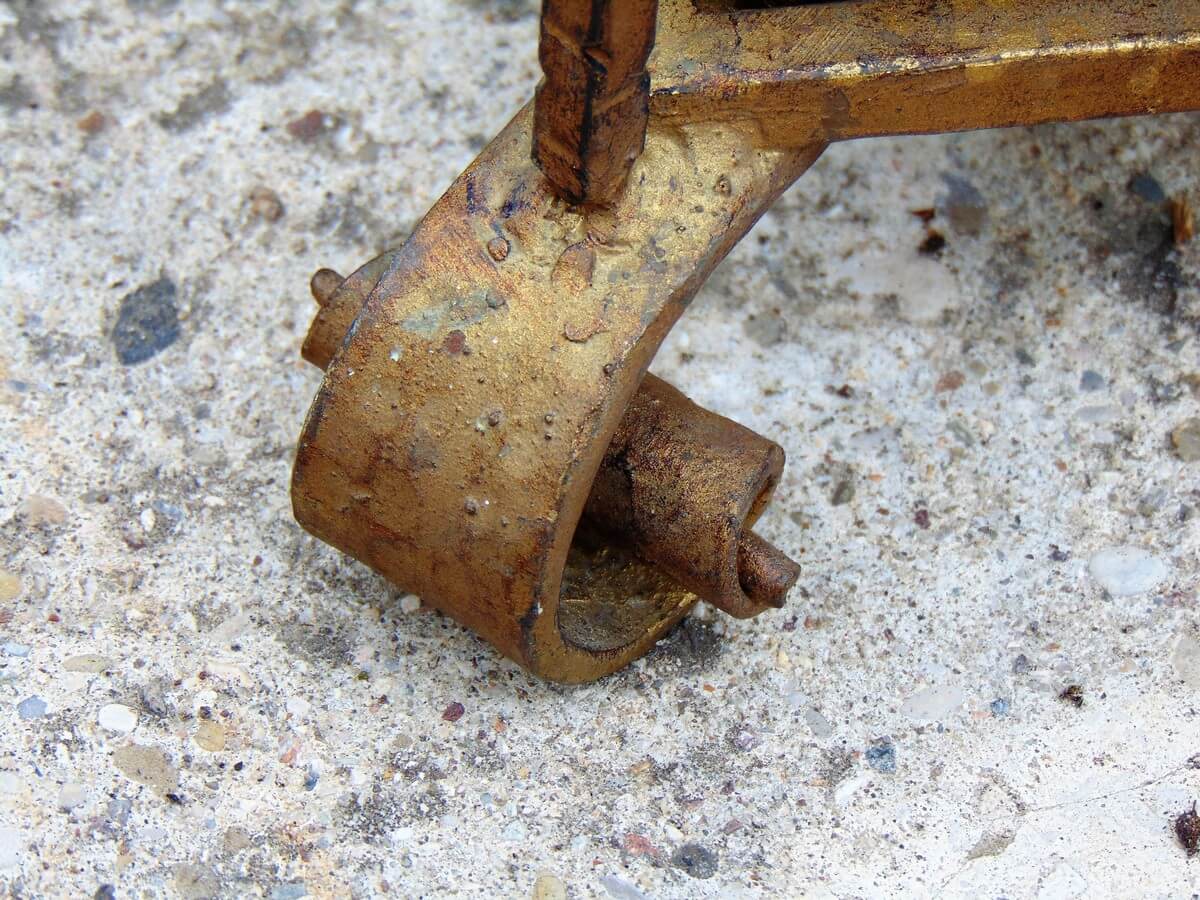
477	376
861	69
400	463
679	486
591	109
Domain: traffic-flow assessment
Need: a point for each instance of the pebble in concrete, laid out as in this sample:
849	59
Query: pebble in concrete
118	718
31	708
1127	571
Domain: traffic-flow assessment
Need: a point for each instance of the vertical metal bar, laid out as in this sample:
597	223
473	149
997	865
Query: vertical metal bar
591	110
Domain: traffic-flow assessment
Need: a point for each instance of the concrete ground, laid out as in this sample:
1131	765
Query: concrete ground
987	683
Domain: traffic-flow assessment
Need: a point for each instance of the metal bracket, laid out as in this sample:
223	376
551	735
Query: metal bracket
486	435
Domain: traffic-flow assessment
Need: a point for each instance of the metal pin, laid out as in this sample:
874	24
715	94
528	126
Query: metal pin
764	572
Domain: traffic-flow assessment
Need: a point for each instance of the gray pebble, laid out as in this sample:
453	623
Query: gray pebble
1092	381
881	756
818	723
843	493
31	708
119	810
14	649
1186	439
1147	187
697	861
147	322
1126	571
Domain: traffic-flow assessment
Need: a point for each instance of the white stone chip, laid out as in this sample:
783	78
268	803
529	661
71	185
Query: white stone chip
118	718
12	843
410	603
1127	571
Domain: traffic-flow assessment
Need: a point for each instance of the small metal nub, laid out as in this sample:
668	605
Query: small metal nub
324	285
765	573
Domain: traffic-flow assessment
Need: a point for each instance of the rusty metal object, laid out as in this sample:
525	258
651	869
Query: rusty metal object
680	486
485	435
591	110
462	420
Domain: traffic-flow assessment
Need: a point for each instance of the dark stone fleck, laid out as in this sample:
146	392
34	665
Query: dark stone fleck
1092	381
105	892
933	245
696	861
155	700
964	205
1025	358
999	707
1021	665
694	644
311	125
1187	829
881	756
742	738
1147	187
15	96
453	712
921	517
843	493
147	323
1165	391
1072	694
1059	555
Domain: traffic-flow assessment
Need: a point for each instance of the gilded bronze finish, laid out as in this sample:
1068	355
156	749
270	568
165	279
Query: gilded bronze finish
485	435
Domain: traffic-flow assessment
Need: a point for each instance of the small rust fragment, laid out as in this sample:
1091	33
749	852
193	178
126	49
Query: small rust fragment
498	249
1183	221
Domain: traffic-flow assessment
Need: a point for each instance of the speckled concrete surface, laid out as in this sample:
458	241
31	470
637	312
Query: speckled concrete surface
987	684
